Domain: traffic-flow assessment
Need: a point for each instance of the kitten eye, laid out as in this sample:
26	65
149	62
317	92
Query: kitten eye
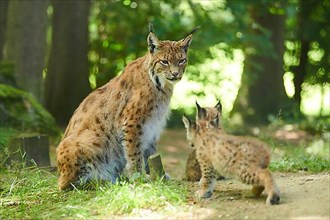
164	62
182	61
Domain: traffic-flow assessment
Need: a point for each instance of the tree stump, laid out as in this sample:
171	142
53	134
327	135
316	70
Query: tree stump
156	167
31	150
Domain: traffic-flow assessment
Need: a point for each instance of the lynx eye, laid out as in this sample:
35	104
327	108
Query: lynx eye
165	62
182	61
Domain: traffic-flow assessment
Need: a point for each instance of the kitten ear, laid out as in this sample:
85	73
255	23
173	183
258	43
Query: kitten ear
215	121
218	106
186	121
188	124
201	112
185	42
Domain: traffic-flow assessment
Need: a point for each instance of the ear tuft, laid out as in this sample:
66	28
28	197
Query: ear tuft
185	42
201	112
218	106
193	31
150	27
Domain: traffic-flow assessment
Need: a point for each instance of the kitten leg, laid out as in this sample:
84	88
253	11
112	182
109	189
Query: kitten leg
267	179
257	190
207	181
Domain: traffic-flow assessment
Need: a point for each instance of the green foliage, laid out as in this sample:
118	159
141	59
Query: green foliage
33	193
7	73
19	109
118	36
320	125
309	22
21	114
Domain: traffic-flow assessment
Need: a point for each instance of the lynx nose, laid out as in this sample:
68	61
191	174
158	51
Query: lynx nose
175	74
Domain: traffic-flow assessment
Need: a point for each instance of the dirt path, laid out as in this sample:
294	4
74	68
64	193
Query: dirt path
303	195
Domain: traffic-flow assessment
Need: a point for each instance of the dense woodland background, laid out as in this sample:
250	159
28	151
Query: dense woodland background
53	53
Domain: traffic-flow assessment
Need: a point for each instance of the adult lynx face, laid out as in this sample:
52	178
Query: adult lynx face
168	59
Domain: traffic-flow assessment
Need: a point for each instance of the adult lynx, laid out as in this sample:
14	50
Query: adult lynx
116	127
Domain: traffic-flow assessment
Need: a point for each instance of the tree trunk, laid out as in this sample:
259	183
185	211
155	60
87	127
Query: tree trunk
262	90
3	24
67	78
26	42
300	72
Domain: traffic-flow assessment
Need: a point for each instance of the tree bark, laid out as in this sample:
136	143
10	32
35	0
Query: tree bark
3	24
26	42
67	78
262	90
300	72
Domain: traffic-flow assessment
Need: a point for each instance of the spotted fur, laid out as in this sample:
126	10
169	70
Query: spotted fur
213	115
116	127
221	153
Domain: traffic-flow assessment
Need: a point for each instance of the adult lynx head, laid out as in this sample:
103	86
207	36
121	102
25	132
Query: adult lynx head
168	59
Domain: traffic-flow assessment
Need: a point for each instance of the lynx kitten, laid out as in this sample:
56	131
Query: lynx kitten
217	152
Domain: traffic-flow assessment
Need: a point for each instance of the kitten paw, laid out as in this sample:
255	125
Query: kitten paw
273	199
203	194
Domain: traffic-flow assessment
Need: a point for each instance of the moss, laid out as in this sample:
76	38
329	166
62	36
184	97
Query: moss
20	111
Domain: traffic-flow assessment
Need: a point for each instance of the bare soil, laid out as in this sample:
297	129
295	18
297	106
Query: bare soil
303	195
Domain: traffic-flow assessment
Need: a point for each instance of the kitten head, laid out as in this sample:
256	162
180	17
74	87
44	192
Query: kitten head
210	114
168	59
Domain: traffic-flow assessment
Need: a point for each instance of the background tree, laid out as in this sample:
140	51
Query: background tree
67	77
308	34
262	92
3	24
26	42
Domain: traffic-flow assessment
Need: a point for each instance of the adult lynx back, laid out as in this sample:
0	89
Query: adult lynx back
116	127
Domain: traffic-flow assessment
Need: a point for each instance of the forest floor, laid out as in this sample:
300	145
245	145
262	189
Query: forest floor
305	191
303	195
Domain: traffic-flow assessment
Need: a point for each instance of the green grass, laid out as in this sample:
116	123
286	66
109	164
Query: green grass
33	193
295	163
298	158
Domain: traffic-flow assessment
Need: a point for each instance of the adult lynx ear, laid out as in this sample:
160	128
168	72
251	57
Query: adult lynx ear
218	106
201	112
152	40
185	42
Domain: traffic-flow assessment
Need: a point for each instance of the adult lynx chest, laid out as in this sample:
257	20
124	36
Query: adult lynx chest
155	124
